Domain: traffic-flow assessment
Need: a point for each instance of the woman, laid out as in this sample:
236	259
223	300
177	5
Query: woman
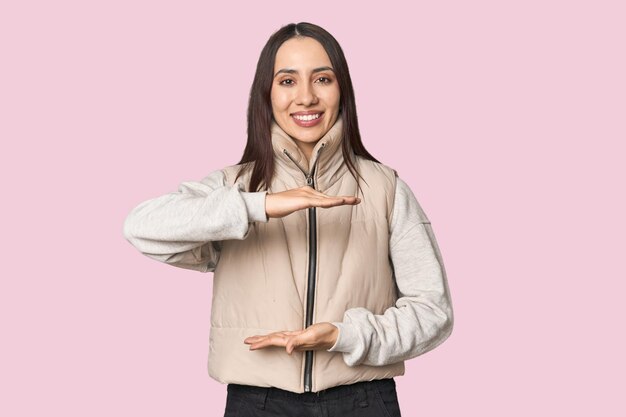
312	309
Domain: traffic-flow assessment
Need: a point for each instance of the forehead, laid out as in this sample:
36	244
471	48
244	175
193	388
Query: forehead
301	54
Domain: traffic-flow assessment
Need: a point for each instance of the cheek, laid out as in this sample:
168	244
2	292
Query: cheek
331	96
280	100
337	94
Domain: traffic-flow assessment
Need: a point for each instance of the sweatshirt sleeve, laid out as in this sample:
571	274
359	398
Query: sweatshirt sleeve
184	228
422	317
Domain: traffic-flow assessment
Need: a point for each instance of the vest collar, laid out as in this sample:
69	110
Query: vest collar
327	156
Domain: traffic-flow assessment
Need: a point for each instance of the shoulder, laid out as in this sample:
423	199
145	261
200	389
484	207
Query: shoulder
239	173
380	181
214	179
225	176
377	175
377	168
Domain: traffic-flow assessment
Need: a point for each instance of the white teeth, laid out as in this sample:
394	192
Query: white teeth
308	117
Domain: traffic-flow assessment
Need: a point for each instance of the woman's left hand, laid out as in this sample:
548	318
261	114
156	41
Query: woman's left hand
315	337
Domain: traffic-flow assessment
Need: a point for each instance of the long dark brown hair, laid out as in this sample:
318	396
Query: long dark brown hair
259	146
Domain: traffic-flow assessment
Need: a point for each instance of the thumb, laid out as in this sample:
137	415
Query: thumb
292	344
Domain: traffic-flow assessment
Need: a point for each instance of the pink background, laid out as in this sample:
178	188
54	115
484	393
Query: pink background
507	119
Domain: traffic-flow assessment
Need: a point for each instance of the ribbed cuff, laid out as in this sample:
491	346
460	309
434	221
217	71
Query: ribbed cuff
255	204
347	341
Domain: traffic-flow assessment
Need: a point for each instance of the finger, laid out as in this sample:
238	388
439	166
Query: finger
345	198
254	339
351	198
260	344
330	201
335	201
274	340
322	195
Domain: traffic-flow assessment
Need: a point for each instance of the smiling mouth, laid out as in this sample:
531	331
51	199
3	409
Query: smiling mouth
307	117
308	120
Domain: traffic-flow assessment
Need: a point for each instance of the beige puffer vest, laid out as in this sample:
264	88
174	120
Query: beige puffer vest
308	267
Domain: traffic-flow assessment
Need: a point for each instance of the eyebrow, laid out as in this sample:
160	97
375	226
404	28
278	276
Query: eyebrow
293	71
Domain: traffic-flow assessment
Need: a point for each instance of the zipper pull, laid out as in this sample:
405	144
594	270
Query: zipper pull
309	178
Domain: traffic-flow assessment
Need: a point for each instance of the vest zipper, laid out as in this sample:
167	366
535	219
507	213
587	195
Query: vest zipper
310	301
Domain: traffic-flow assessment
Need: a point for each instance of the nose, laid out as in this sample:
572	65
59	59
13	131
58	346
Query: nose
306	95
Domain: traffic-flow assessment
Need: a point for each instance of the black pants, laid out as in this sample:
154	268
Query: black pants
376	398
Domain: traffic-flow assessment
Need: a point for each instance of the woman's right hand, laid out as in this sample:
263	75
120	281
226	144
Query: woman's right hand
286	202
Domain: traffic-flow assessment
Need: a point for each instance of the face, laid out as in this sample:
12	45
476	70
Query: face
305	94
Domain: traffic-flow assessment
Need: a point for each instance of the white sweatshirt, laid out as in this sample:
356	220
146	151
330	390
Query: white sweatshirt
174	227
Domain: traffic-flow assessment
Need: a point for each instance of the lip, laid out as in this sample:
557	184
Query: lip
309	123
304	113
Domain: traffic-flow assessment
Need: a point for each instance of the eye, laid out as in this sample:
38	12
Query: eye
328	80
287	79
